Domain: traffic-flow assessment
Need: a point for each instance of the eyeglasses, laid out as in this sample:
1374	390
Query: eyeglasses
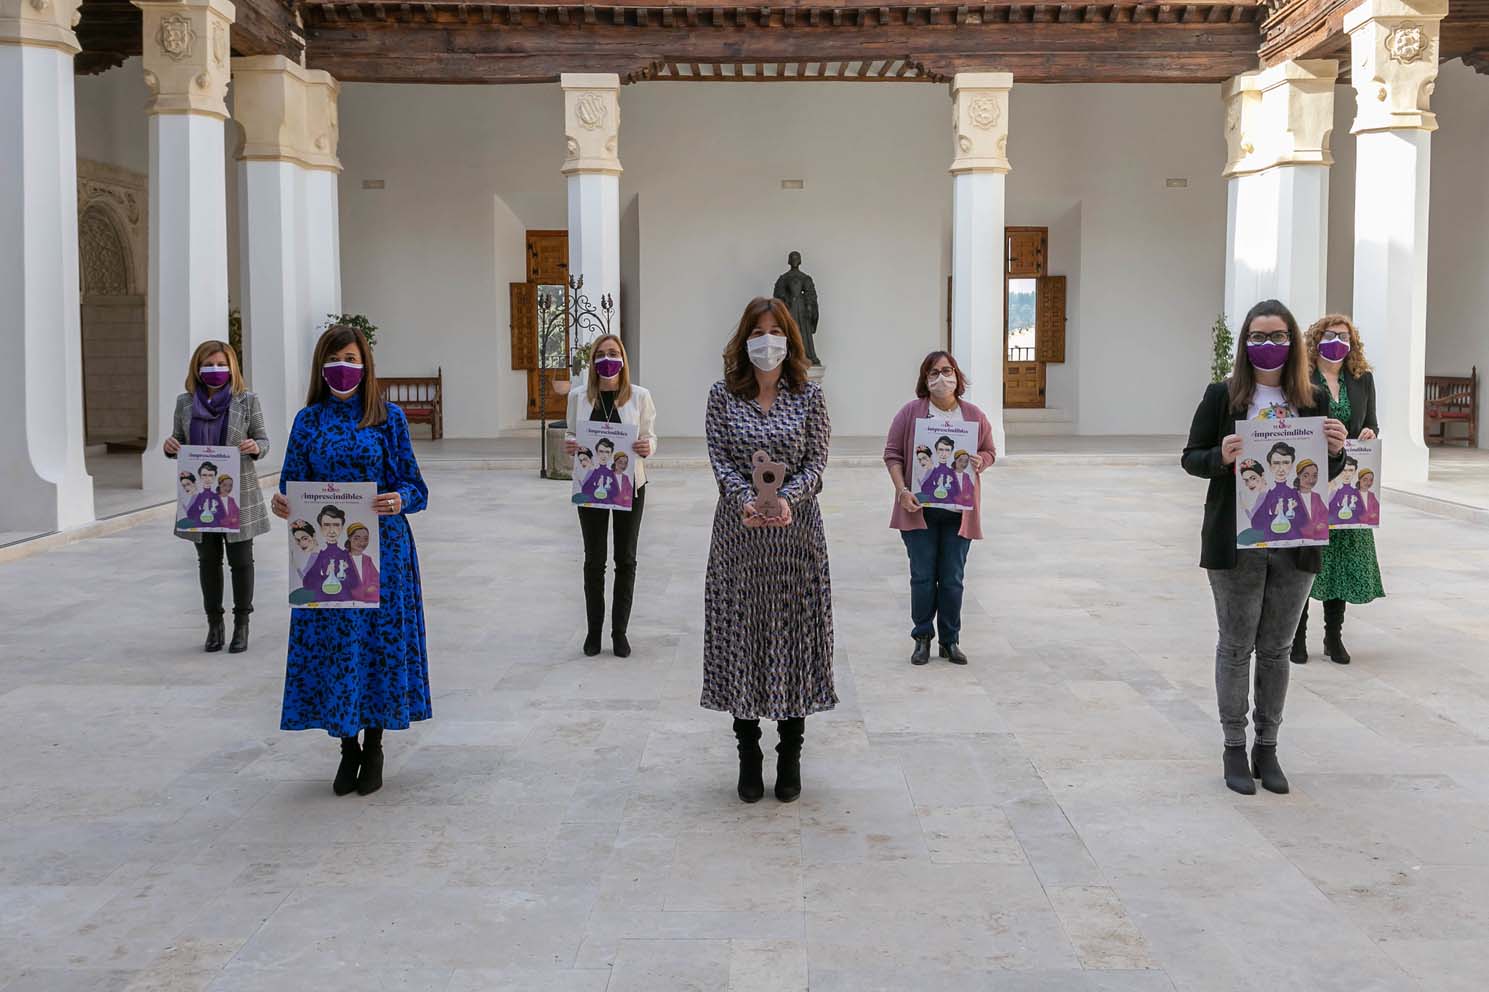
1333	336
946	371
1276	337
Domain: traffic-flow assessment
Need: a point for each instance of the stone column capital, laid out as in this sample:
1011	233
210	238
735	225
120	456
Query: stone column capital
1394	54
979	121
591	122
1242	97
1297	111
40	24
288	112
187	50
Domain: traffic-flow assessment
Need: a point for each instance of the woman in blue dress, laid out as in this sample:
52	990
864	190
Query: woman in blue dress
358	670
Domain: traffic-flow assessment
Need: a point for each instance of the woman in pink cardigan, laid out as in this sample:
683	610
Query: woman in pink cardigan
937	540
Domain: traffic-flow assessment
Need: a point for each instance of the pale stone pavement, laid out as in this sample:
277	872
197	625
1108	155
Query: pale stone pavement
1050	818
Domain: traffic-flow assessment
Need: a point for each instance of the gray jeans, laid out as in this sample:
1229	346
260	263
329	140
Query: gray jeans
1257	606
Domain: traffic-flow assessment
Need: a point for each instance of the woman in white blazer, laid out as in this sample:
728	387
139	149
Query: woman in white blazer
610	396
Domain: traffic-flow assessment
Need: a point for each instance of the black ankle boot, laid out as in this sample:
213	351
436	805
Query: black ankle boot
751	781
953	653
592	642
621	645
620	611
788	758
370	778
215	634
346	772
1265	767
594	607
1237	774
1300	639
1334	631
922	653
239	643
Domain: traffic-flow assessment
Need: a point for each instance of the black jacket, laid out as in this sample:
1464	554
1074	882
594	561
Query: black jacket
1214	420
1361	402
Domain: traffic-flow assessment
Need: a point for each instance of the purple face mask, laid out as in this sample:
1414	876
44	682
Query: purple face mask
214	376
342	376
1268	357
1334	351
608	368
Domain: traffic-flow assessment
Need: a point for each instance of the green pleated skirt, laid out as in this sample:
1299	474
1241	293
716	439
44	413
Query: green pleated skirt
1350	571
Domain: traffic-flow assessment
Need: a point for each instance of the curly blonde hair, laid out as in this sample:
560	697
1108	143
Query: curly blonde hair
1355	362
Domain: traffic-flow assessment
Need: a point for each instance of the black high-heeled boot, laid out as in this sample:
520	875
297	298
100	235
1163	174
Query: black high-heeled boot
788	758
751	779
345	782
1265	767
620	610
1300	639
370	778
1334	631
215	634
239	643
594	607
1237	773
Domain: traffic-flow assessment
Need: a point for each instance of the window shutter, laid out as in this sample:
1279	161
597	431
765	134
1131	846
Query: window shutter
1049	318
1025	251
524	326
548	257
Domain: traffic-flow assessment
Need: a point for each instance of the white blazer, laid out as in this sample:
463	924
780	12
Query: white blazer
639	411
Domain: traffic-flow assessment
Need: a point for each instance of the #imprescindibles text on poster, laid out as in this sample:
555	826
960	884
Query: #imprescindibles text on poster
1282	476
1354	494
207	498
605	465
334	548
943	473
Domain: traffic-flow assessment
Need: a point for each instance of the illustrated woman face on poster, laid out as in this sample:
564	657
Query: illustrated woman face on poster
604	449
961	462
330	520
357	539
304	535
1280	460
944	447
225	486
188	483
1367	480
621	462
1252	479
586	459
207	475
1307	477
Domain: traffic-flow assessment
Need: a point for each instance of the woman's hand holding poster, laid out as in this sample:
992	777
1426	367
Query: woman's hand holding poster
1354	500
1281	477
207	489
605	465
943	473
333	545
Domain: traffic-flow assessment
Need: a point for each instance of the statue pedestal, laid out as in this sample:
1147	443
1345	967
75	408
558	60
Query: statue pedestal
817	373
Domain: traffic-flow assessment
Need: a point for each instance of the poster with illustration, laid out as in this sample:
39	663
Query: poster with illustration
1354	494
334	547
1282	477
943	473
605	465
207	489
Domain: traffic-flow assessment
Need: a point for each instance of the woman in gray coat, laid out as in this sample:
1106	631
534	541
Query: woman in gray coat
217	409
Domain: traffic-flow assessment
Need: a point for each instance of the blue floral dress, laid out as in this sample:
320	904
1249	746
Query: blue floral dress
351	669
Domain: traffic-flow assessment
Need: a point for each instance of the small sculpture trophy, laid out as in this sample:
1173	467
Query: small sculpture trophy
768	477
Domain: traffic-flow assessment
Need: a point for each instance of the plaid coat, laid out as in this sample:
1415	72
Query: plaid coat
245	419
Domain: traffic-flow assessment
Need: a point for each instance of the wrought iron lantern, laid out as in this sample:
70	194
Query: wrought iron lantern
573	320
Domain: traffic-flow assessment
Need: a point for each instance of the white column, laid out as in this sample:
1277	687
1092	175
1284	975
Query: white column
44	484
592	165
1279	123
186	54
978	168
1394	53
289	258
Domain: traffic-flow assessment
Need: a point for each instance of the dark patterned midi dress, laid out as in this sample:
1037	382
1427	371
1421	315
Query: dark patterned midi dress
767	602
351	669
1350	571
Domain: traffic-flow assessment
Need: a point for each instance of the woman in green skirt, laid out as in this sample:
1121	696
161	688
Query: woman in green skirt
1350	572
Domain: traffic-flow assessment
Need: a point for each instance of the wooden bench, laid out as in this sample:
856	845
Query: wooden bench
1452	399
421	397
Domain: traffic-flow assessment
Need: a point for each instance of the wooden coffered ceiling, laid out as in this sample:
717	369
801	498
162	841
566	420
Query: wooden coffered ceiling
1314	29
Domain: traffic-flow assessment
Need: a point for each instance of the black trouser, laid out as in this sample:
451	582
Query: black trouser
209	567
594	524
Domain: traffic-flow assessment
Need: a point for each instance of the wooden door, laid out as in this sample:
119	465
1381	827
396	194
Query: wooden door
1023	371
546	363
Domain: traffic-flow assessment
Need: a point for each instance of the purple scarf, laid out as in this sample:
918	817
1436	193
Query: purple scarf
209	416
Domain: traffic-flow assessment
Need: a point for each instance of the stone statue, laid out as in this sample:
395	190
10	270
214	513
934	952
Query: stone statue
796	289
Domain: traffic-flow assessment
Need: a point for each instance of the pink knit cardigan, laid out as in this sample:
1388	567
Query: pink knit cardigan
900	444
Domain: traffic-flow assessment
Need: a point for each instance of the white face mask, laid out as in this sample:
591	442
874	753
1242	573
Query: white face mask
941	386
767	351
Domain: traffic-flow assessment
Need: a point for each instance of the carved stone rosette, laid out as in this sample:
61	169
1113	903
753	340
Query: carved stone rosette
591	122
187	51
980	121
288	113
40	23
1394	53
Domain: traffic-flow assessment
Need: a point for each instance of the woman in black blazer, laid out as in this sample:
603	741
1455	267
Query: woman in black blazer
1259	592
1350	572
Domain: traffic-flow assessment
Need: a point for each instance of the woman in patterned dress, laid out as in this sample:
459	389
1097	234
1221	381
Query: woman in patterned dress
358	670
767	645
1350	572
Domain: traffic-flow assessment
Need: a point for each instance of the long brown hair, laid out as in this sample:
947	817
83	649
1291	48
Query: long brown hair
194	381
623	389
1355	363
739	373
336	337
1296	385
924	391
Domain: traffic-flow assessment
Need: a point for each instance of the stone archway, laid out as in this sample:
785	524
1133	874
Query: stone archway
112	253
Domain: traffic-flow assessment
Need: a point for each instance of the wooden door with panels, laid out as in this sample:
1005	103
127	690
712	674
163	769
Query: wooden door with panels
1033	317
547	277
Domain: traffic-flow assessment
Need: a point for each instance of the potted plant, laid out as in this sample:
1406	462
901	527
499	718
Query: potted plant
1223	353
